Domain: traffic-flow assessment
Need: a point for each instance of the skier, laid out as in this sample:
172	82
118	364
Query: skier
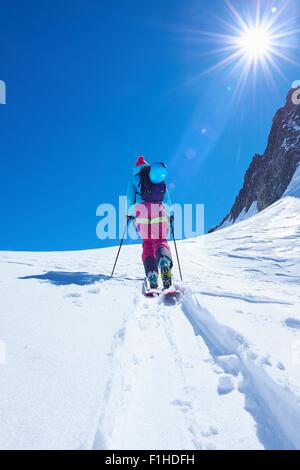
149	205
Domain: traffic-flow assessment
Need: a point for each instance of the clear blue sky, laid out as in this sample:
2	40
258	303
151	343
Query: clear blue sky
93	83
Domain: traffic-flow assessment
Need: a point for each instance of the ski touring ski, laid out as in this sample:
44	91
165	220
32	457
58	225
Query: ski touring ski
169	293
148	292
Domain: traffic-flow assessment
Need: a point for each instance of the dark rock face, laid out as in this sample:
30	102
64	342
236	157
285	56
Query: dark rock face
269	175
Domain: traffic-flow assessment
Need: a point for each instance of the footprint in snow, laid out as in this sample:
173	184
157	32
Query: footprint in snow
184	405
218	370
266	360
73	295
94	290
226	384
210	431
292	323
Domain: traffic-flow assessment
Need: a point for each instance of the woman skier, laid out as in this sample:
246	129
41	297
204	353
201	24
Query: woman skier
149	204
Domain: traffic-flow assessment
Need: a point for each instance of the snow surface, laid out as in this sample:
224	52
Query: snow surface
294	186
90	363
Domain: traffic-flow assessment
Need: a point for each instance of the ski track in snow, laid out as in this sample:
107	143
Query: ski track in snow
228	351
127	404
107	368
278	427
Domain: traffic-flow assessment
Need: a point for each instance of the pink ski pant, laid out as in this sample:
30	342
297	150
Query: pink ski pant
153	224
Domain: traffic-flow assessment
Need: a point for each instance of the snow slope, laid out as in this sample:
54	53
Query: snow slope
91	364
294	187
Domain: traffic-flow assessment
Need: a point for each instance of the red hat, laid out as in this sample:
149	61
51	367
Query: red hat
141	161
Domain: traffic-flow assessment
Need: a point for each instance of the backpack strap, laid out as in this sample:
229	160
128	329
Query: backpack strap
144	171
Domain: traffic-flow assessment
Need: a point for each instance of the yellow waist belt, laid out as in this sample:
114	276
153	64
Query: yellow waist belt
155	220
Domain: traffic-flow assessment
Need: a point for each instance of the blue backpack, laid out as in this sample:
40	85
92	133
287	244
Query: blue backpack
151	192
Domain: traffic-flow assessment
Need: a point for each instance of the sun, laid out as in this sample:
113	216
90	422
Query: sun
256	43
258	40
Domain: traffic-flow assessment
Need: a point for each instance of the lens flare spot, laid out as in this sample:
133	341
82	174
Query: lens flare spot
190	154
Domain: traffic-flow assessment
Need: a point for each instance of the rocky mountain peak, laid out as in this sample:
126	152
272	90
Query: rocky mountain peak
269	175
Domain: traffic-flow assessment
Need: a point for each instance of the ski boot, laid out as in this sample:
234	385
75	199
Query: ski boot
153	280
165	272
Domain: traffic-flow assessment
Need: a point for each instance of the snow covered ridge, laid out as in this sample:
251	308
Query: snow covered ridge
294	187
269	175
92	364
244	215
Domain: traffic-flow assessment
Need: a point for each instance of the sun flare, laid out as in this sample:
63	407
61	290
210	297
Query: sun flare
255	41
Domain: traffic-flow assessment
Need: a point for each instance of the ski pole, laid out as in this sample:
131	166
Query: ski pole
173	235
122	241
